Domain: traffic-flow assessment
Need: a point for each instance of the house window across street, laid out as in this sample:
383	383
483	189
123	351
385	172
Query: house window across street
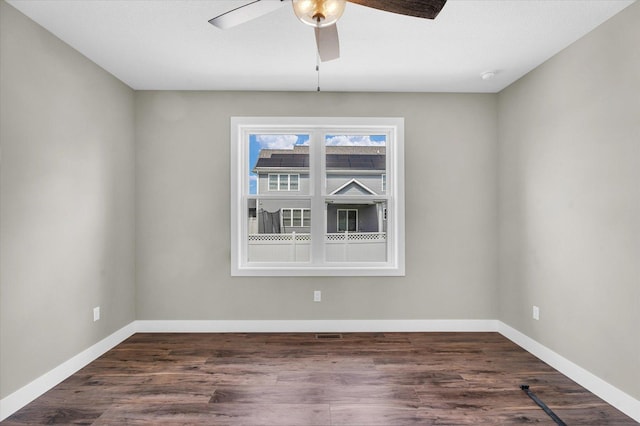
296	218
283	182
347	220
317	196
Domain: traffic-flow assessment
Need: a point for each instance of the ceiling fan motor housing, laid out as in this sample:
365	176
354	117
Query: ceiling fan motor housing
319	13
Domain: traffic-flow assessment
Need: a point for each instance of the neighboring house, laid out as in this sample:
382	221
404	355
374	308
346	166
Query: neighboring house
351	171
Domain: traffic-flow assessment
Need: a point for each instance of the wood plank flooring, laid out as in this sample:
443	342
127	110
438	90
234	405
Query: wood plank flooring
296	379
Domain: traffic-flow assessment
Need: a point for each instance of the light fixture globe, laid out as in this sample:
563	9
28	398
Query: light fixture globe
319	13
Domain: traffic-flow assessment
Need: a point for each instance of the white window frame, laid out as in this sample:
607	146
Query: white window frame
316	127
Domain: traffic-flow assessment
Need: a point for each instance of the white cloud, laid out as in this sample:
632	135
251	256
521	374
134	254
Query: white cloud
276	141
346	140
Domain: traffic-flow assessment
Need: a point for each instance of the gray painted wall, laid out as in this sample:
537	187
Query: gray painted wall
570	202
66	202
182	178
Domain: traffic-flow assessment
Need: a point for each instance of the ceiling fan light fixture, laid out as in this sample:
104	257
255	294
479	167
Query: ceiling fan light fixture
319	13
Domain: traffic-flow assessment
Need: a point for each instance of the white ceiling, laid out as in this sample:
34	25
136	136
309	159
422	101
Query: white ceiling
169	45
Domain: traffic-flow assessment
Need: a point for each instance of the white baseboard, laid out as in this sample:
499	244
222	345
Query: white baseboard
604	390
612	395
18	399
314	326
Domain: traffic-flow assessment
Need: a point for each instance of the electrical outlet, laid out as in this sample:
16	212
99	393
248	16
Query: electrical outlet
96	313
536	313
317	296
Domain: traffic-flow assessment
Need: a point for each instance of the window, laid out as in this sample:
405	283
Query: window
317	196
347	220
296	218
283	182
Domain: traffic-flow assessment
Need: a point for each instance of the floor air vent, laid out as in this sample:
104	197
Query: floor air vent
329	336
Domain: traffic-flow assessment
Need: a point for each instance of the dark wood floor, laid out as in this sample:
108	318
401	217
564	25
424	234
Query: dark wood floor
296	379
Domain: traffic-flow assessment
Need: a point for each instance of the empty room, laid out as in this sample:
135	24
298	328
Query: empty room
320	212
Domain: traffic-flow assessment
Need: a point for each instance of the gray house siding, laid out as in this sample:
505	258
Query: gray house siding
351	171
371	181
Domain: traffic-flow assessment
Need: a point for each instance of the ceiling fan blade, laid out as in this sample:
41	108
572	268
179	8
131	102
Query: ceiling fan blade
428	9
328	43
245	13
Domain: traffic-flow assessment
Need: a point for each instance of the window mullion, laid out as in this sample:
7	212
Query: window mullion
318	210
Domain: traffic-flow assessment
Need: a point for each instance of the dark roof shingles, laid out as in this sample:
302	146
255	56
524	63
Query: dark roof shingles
334	161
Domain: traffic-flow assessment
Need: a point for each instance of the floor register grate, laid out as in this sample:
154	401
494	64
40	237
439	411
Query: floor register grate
328	336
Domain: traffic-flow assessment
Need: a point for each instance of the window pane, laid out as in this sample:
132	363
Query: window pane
355	164
297	217
273	182
342	220
352	220
286	217
276	232
356	168
293	182
306	217
278	163
283	182
356	232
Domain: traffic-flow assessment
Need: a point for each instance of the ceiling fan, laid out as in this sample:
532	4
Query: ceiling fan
323	15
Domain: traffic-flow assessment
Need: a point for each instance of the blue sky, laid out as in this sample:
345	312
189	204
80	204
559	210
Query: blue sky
259	142
355	140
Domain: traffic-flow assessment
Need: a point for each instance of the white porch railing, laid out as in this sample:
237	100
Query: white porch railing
294	236
339	247
356	236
